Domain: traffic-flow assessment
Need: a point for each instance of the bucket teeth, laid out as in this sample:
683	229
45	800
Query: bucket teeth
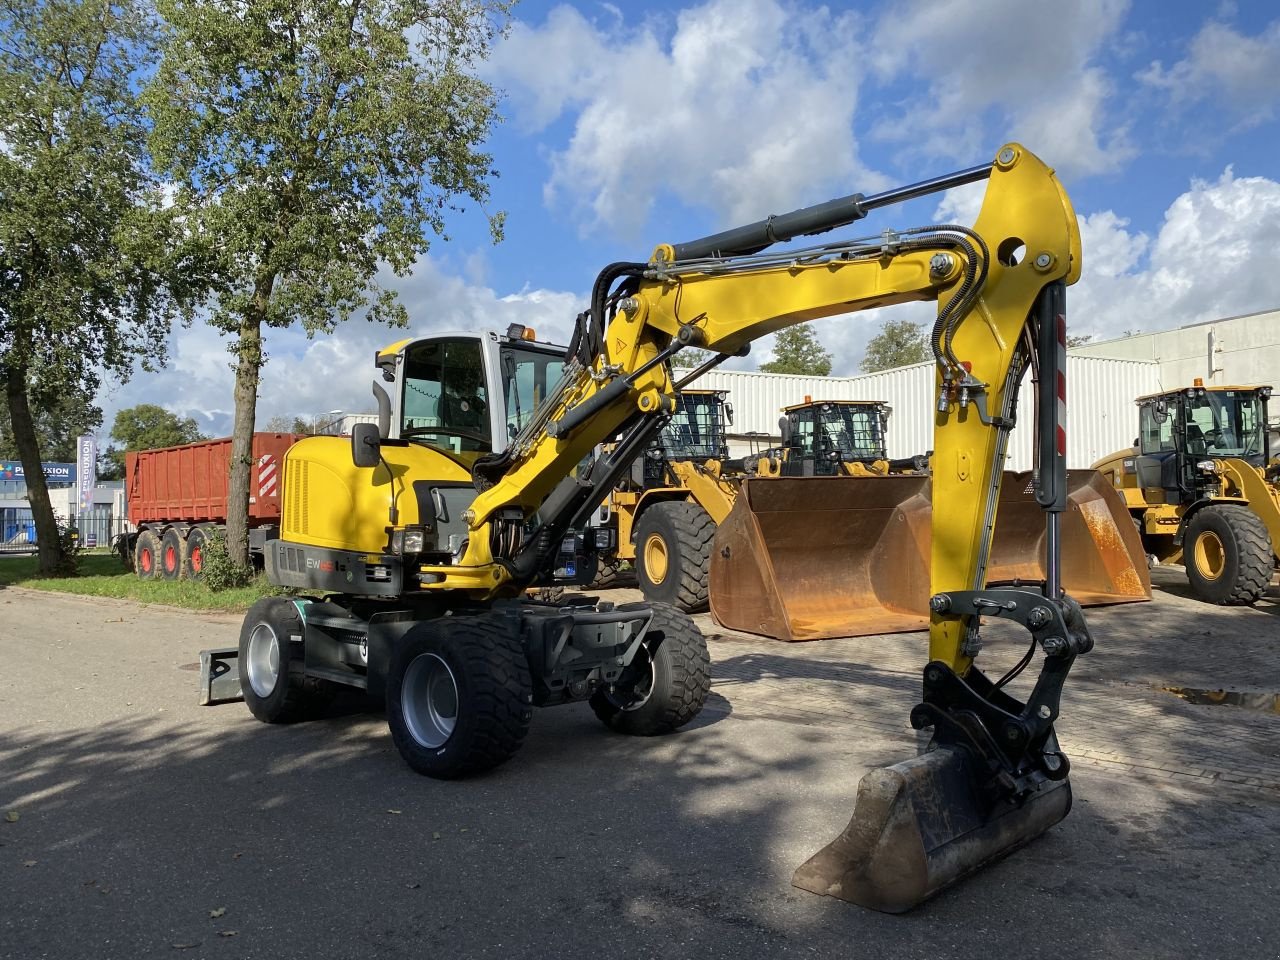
919	826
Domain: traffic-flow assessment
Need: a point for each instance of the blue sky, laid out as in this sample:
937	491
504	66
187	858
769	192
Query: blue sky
628	125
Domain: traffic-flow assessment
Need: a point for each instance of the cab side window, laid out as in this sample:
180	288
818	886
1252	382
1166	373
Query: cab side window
1155	436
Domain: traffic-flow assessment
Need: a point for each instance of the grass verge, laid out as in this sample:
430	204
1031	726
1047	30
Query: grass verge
103	575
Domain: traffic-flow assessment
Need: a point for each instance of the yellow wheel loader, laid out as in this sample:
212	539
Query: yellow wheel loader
415	542
1201	490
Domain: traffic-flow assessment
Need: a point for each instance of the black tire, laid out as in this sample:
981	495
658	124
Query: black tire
459	696
172	554
197	540
146	556
273	695
1227	553
667	683
679	534
608	575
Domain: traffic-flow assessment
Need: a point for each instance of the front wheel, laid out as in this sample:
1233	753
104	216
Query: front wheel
1228	555
459	696
665	685
267	643
673	554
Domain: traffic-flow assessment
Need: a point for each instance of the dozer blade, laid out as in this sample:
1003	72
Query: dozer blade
807	558
803	558
1103	560
920	825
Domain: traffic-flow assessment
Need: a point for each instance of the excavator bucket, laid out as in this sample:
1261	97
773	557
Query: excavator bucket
1103	560
807	558
803	558
919	826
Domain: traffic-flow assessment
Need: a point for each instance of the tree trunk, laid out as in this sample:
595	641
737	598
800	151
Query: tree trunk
24	438
248	371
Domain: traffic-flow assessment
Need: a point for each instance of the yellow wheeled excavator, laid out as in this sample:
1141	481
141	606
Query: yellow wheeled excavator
1201	487
425	532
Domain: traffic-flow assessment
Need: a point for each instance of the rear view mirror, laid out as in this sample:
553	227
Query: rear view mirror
365	445
728	413
784	427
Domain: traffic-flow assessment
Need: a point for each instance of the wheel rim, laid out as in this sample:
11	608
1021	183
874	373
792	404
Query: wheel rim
638	692
429	700
170	559
146	560
264	660
196	558
1210	555
656	560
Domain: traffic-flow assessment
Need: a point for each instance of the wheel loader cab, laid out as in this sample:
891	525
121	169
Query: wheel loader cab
1182	432
818	437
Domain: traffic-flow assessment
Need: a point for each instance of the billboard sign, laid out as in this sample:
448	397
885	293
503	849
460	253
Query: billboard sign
11	472
87	464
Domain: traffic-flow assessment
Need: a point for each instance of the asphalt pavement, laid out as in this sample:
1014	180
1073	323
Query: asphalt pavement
136	824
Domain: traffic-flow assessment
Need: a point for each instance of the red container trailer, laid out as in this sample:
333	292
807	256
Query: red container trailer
178	499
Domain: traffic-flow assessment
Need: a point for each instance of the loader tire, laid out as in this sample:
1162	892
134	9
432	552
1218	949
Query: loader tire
272	692
172	551
146	556
459	696
665	685
608	573
1228	555
673	554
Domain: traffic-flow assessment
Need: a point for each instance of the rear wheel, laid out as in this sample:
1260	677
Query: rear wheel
459	696
608	575
666	684
171	559
673	554
1228	555
146	555
196	541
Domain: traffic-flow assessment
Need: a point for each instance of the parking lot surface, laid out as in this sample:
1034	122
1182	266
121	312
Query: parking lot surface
144	825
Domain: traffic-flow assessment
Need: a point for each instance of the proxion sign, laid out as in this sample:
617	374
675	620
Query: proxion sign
11	470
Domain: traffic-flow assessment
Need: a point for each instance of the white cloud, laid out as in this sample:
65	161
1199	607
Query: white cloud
747	110
971	63
1237	72
1206	262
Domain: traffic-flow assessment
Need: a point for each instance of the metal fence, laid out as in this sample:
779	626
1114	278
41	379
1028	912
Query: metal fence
18	529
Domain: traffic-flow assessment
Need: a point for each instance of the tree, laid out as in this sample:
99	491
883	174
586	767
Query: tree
288	425
690	358
146	427
797	350
313	143
898	344
84	257
58	422
1079	339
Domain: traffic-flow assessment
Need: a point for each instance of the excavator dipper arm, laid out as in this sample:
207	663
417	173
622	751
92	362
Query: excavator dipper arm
995	776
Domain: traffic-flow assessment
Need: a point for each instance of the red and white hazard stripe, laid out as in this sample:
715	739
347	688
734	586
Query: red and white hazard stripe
267	477
1062	385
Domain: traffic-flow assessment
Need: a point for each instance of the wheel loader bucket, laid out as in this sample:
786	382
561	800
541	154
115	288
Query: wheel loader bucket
803	558
807	558
919	826
1103	560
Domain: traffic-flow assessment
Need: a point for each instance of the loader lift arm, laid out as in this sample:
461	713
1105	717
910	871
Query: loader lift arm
996	773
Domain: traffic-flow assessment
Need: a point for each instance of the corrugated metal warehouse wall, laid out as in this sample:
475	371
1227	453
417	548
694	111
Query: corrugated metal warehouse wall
1100	395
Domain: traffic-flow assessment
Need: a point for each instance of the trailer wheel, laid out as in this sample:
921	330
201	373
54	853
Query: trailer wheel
459	696
1228	555
673	554
266	645
171	550
196	541
146	556
667	683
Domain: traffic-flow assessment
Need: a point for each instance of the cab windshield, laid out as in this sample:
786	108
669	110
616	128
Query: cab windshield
695	431
1225	423
445	402
856	431
528	376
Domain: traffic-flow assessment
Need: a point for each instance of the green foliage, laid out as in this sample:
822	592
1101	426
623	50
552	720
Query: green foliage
289	425
690	358
1078	340
221	571
89	279
145	427
312	144
898	344
797	350
59	420
69	541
